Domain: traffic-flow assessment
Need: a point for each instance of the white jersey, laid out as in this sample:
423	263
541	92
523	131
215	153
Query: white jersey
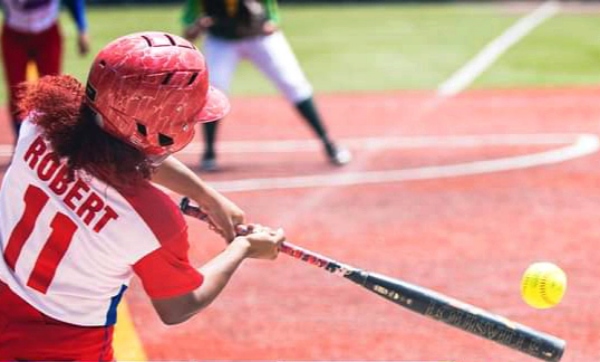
30	16
71	248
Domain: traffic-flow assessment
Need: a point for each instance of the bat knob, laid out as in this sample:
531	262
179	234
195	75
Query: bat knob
184	203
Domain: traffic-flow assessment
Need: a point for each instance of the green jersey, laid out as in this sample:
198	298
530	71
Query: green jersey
233	19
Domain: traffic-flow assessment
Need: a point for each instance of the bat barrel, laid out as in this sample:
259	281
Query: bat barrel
466	317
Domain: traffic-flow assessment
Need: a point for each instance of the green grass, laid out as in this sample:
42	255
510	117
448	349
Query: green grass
564	51
385	47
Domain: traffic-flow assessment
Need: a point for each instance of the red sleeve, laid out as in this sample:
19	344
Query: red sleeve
166	272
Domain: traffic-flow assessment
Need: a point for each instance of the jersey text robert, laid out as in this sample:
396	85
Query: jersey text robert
76	194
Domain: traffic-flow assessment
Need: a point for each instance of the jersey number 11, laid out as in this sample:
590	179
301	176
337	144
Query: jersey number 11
55	247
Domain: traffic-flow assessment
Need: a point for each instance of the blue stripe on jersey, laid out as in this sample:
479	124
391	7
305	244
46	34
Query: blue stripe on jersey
111	316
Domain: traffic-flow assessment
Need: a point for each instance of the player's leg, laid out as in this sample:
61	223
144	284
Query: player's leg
14	60
48	57
222	57
275	58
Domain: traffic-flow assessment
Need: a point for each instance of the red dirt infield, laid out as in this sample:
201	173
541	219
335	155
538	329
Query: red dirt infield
428	212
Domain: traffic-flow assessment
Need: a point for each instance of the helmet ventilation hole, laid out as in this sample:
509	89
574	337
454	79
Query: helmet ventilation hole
90	92
142	129
167	79
193	78
147	40
171	39
164	140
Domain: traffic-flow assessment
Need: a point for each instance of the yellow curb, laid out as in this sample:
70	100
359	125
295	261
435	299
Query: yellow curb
127	343
31	73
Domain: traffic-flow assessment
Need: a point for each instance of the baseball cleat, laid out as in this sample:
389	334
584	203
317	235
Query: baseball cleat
337	156
209	165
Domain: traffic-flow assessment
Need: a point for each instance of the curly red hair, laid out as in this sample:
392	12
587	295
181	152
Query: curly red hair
57	104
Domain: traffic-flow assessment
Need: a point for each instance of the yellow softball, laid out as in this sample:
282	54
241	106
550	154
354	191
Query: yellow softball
543	285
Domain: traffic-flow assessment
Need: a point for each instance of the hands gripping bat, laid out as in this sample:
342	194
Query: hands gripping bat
429	303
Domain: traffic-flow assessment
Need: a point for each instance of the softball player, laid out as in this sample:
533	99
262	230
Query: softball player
79	216
249	29
31	33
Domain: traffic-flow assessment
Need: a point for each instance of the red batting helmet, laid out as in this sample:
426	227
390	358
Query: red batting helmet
150	89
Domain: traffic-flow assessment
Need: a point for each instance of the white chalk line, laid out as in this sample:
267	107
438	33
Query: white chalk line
583	144
462	78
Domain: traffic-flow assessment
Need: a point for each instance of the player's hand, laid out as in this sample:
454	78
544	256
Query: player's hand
83	43
195	30
261	242
224	216
270	27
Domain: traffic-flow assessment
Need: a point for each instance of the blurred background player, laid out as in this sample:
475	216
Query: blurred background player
79	215
249	29
31	33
